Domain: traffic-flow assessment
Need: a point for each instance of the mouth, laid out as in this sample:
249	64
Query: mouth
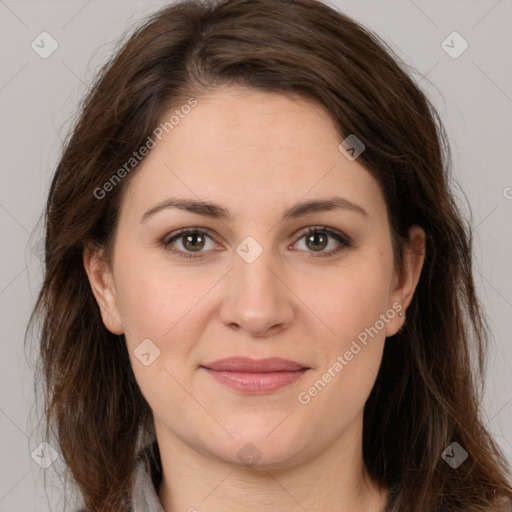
255	376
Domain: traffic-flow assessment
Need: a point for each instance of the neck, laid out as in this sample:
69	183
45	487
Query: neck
334	479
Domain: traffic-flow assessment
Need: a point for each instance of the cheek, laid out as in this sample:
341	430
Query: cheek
159	341
354	304
161	304
353	297
349	361
151	299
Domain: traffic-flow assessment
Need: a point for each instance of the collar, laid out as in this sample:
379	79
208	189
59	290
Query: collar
147	476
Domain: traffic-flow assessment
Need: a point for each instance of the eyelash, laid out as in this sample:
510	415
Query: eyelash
342	239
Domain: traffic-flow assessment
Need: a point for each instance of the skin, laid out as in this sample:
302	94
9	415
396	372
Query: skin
257	154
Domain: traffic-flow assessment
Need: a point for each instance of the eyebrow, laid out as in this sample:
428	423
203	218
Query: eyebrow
216	211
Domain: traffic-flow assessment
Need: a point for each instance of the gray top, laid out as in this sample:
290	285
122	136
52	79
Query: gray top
145	496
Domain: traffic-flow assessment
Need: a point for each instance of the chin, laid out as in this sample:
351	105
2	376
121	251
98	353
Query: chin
259	450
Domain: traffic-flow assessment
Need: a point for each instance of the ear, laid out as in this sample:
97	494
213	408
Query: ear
407	278
103	287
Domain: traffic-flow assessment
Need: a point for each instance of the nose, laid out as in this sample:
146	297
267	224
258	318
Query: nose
256	298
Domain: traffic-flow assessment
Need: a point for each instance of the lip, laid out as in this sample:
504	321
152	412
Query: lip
255	376
246	364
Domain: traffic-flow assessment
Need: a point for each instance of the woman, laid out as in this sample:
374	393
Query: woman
258	290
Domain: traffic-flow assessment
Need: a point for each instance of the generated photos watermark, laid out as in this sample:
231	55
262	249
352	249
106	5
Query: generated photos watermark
143	151
304	397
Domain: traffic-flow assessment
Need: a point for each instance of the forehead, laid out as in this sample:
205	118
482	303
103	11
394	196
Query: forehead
252	151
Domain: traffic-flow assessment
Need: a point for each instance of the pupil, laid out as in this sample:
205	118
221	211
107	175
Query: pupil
313	237
188	238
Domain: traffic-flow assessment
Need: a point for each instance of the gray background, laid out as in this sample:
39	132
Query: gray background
38	99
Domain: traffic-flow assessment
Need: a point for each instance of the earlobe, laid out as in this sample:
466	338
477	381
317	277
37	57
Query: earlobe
409	276
103	289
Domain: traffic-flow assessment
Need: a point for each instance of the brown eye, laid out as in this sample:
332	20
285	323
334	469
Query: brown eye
318	238
316	241
193	242
188	242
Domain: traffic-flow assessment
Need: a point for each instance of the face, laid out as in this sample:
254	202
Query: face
256	282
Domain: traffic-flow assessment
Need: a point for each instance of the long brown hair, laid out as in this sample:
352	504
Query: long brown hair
428	392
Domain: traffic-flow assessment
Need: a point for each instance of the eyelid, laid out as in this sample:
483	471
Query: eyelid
344	240
168	239
326	229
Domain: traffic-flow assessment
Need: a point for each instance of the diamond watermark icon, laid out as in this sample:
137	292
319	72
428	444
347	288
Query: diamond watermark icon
351	147
45	455
38	249
249	249
146	352
44	45
249	455
454	45
454	455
